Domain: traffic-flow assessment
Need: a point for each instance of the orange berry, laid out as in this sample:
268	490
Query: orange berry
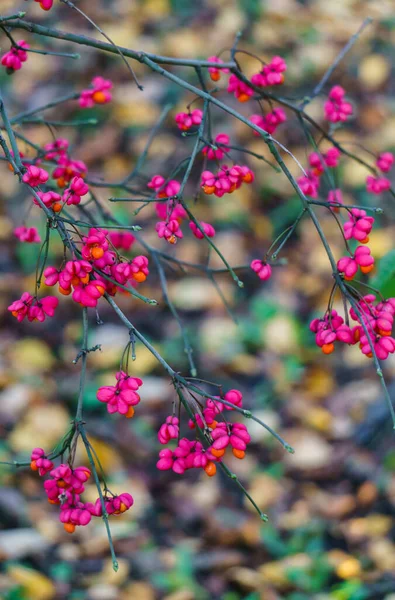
217	453
210	469
247	178
99	97
243	97
370	355
69	527
64	291
33	466
139	276
209	189
100	289
348	278
365	241
57	207
62	484
61	182
85	279
216	76
238	453
328	348
123	507
97	252
213	425
53	501
384	333
172	239
367	269
130	413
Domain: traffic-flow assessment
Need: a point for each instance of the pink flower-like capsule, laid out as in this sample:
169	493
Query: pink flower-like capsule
234	397
270	121
336	108
169	430
377	185
74	193
168	211
221	142
139	268
358	226
234	434
187	120
40	462
167	461
74	516
45	4
98	94
119	504
170	231
262	269
43	308
241	91
121	397
318	161
309	184
28	235
122	240
215	73
55	149
384	161
362	259
271	74
335	197
50	199
383	346
67	169
88	294
19	308
95	244
207	228
15	57
156	182
35	176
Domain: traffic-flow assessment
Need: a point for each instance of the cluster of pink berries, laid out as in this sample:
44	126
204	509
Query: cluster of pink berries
187	120
121	397
28	235
376	319
262	269
35	177
15	57
172	213
270	121
358	227
191	454
378	185
35	310
99	93
67	168
310	183
80	277
65	487
226	180
270	74
336	108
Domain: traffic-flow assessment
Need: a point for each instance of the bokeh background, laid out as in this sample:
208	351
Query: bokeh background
331	504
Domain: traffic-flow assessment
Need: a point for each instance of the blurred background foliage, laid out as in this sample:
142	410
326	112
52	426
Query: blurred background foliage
331	504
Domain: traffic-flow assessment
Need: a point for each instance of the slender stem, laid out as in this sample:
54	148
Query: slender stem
84	357
91	459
